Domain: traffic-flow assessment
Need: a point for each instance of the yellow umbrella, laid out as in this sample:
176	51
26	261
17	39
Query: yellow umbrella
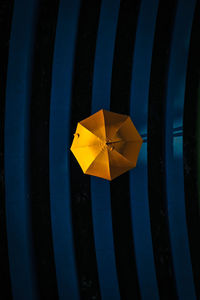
106	144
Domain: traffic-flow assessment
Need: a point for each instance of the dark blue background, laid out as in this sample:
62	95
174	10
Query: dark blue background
66	235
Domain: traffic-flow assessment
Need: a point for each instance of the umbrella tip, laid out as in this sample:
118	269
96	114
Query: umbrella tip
76	134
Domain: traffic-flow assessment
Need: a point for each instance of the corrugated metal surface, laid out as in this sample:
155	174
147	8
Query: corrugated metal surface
63	234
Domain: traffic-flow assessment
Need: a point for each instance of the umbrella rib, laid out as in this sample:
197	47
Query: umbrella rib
127	119
120	125
129	161
93	160
91	145
104	121
84	126
108	143
109	165
123	141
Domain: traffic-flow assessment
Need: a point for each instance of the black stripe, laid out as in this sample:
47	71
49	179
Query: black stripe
80	183
119	187
6	10
190	147
156	176
39	164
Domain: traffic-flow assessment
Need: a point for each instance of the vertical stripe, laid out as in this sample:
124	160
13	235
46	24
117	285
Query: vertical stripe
190	147
6	10
39	147
100	191
80	183
155	149
139	176
59	150
174	150
17	171
119	188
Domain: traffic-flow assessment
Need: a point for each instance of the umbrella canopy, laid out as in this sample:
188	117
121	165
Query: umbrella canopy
106	144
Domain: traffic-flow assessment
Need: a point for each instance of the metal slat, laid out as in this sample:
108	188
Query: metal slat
18	96
139	176
100	190
60	199
174	150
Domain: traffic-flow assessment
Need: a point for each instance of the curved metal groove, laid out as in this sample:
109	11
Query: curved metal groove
174	150
155	148
39	149
190	147
100	191
139	176
18	94
79	182
119	188
6	11
60	199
